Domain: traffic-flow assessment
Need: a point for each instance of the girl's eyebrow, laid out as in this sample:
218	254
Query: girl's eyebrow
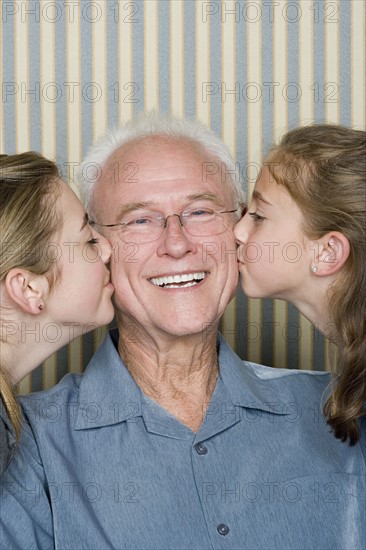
259	197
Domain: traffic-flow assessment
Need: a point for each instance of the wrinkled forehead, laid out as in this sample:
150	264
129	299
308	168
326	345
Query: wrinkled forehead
149	164
154	154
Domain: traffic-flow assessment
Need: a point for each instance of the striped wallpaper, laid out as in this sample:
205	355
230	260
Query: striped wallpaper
248	69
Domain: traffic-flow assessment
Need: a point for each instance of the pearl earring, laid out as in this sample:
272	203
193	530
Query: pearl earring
314	269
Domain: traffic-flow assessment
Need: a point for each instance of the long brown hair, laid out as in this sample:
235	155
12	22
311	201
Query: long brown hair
28	220
323	167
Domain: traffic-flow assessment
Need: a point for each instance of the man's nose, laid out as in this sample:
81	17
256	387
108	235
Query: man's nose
170	216
175	241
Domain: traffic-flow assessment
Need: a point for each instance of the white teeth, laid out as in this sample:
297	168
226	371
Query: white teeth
173	280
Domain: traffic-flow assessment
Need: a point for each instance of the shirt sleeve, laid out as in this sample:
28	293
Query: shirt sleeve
25	511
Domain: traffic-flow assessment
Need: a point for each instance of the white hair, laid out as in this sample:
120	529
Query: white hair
151	124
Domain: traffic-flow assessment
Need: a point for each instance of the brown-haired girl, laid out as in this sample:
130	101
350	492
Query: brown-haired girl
311	192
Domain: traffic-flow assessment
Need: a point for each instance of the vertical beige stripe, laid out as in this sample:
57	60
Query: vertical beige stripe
253	95
330	353
280	72
21	77
306	66
24	387
75	355
228	54
73	91
306	116
126	87
204	86
280	114
331	90
99	67
22	130
358	63
177	57
51	89
151	92
99	335
331	77
73	113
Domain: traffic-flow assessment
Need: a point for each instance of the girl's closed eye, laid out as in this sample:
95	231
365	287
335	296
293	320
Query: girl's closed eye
93	240
256	217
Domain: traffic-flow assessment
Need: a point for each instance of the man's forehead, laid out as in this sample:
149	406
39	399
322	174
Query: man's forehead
152	153
140	170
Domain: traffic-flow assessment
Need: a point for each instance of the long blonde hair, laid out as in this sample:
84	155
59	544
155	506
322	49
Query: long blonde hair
28	220
323	167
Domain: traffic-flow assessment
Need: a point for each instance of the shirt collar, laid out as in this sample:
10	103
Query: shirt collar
108	394
250	385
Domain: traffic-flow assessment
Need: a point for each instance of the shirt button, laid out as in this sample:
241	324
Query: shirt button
223	529
201	449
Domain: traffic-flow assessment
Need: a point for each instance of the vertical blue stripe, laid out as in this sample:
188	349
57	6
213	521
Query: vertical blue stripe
164	56
61	82
88	346
241	105
138	57
319	61
267	140
86	78
37	94
86	47
267	333
241	324
36	379
113	84
9	87
293	94
345	92
319	84
267	83
62	363
292	91
292	335
319	350
242	159
216	73
190	46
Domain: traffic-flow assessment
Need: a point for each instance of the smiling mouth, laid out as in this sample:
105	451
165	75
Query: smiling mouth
179	281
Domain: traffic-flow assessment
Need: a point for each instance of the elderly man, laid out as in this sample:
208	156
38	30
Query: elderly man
169	440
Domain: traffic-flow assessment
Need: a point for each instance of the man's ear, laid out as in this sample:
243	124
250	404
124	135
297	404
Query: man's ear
333	252
27	290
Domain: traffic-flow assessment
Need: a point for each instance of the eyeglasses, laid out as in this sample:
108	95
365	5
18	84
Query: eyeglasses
147	227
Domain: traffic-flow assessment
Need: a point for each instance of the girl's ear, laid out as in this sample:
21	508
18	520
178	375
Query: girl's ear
27	290
333	252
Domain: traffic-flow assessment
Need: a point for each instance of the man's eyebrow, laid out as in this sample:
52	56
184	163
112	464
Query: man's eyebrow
133	206
257	196
85	221
206	196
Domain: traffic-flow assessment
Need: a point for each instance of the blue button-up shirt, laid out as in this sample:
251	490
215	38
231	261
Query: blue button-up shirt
103	466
